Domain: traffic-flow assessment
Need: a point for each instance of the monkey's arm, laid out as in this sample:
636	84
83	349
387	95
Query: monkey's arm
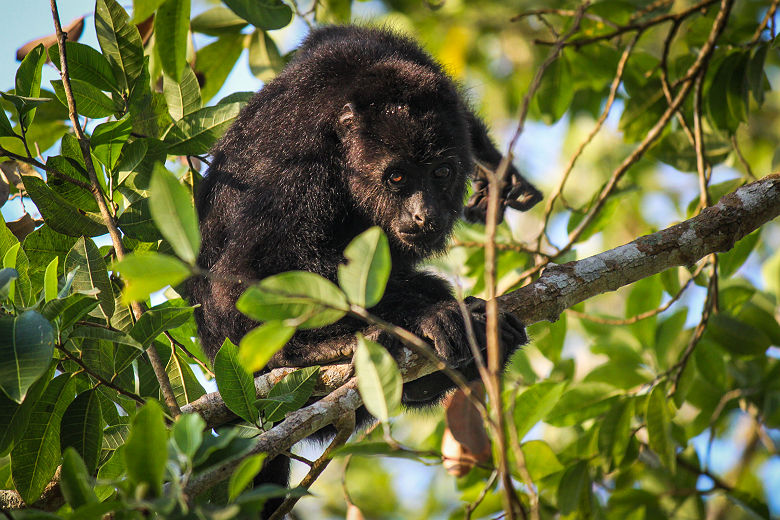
516	193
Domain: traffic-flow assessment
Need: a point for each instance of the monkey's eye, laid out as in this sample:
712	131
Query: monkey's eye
396	178
442	172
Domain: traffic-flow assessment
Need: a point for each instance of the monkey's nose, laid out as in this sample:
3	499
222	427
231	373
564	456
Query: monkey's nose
419	219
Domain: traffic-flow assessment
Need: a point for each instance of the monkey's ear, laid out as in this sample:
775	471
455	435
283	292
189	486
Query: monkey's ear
347	115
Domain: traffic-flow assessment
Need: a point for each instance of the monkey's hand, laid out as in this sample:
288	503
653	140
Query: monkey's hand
444	327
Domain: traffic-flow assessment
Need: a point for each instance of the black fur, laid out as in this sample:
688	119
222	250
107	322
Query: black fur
308	166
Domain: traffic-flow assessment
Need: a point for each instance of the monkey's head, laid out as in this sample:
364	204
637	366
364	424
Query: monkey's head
406	154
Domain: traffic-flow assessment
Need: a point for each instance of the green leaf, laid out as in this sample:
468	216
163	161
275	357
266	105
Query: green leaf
143	9
574	482
187	433
235	384
145	273
82	428
36	455
90	100
174	214
50	280
171	24
26	348
156	321
364	277
147	108
146	450
108	139
556	89
196	133
659	427
216	60
69	309
87	65
28	81
333	11
120	41
243	475
615	431
91	274
755	73
540	459
8	276
62	216
182	97
14	417
378	378
730	261
736	336
534	404
186	387
749	503
549	337
217	21
9	262
581	401
43	245
299	385
264	14
75	482
261	343
726	97
265	61
306	298
136	222
6	130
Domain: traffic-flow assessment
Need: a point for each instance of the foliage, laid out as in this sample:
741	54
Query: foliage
614	410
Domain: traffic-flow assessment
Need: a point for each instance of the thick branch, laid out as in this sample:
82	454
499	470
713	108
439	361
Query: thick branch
715	229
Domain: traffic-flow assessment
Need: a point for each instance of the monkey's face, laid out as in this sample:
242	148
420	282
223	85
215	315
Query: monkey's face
406	172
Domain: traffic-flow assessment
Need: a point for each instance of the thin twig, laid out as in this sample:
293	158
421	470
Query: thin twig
558	192
770	15
477	501
745	164
177	343
103	381
639	26
641	316
108	220
44	167
687	84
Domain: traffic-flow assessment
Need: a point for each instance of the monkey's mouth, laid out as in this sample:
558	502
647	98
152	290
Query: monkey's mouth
421	240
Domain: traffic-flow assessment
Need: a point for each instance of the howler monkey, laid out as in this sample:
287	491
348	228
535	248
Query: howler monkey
361	128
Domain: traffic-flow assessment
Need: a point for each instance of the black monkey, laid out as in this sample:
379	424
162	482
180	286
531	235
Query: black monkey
362	128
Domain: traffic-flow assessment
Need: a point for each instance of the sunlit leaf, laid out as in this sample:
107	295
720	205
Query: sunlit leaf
261	343
146	448
379	380
91	273
304	298
174	214
365	275
26	348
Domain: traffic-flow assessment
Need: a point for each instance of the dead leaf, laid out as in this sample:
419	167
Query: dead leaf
23	226
354	513
12	171
73	30
456	459
466	424
146	28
